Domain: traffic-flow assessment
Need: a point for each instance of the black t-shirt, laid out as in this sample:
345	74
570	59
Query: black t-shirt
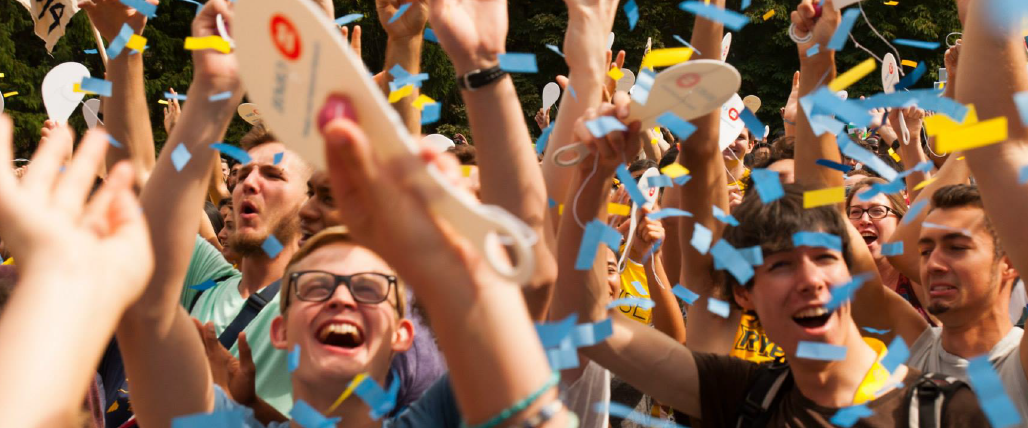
725	382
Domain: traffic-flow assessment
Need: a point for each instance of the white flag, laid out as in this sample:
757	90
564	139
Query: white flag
50	18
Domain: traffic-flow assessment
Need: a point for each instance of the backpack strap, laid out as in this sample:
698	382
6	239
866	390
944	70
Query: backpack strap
254	304
196	297
764	394
928	399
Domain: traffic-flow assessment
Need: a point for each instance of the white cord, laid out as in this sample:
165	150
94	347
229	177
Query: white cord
94	112
899	59
574	202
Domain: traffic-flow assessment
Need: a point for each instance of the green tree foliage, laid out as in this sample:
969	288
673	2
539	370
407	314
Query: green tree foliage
762	52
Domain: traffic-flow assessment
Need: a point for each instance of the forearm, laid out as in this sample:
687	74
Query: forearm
671	249
53	358
667	315
126	117
814	72
911	154
216	187
207	231
405	52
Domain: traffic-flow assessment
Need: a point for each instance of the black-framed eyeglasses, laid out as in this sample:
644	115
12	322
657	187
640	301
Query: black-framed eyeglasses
319	286
876	212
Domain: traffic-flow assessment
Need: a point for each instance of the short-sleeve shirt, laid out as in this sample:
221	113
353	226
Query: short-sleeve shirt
927	355
635	272
420	366
751	343
725	382
436	408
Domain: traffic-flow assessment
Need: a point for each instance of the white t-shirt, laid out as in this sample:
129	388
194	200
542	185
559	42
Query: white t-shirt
593	387
1018	301
927	355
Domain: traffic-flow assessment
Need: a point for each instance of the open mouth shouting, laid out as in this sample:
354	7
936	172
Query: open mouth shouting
814	319
870	237
340	336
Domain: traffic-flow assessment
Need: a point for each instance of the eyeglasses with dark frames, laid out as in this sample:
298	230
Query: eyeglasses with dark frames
319	286
876	212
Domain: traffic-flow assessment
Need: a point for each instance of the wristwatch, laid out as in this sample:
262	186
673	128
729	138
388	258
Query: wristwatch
481	77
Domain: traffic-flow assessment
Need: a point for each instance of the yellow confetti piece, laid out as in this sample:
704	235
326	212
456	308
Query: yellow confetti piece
422	99
941	124
10	94
619	209
967	137
895	156
349	390
829	196
136	42
674	170
1	75
891	3
853	75
465	170
923	184
114	406
210	42
165	102
615	73
666	57
560	209
75	87
769	14
909	63
960	158
401	93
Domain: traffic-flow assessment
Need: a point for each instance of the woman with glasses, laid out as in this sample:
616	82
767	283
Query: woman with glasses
876	219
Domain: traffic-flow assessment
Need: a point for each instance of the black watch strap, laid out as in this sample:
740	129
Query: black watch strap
478	78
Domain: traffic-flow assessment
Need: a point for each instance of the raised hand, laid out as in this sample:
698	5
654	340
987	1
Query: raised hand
211	66
647	233
472	32
615	148
542	118
913	117
354	37
611	84
806	21
171	112
410	24
236	376
951	59
792	104
109	15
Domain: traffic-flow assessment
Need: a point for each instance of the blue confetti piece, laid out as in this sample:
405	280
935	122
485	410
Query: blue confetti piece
920	44
817	239
898	354
687	44
847	416
589	334
220	96
676	125
271	246
662	180
701	237
724	217
834	165
814	50
233	152
912	78
876	331
398	72
206	285
171	96
180	156
653	249
926	99
399	12
965	232
718	307
733	261
768	184
544	138
632	301
1022	175
430	35
842	32
624	412
1006	15
118	44
668	212
844	292
410	79
639	289
894	186
853	112
278	158
630	185
113	142
730	19
552	333
518	63
346	19
867	158
632	12
305	415
754	255
294	358
682	179
914	210
820	351
892	249
687	295
150	10
220	419
556	50
571	90
991	395
91	51
643	83
551	202
595	233
379	400
430	113
745	4
96	86
1021	99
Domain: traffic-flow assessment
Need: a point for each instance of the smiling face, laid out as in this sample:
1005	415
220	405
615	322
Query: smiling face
319	212
341	338
613	275
875	231
267	198
739	148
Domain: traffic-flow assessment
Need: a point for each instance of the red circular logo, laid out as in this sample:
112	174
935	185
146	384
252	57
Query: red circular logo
688	80
733	114
892	68
285	37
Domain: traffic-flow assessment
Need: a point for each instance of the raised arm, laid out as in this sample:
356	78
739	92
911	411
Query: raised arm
44	218
667	315
403	47
473	35
163	354
126	115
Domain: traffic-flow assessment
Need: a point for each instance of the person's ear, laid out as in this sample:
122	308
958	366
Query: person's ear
742	297
403	337
278	333
1007	270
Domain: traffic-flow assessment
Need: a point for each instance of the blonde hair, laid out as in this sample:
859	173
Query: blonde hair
331	235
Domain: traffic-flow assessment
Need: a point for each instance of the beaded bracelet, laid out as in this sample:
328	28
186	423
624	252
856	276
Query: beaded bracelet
520	405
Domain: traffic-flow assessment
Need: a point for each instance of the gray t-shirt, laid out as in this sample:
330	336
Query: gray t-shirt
436	408
592	387
928	356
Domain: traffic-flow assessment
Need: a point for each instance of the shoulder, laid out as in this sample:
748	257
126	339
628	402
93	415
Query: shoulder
436	408
929	338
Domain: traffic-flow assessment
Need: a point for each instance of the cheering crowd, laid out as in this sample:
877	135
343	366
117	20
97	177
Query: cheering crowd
673	282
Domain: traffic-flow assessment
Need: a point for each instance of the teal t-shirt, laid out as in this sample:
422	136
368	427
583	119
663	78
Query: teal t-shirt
221	304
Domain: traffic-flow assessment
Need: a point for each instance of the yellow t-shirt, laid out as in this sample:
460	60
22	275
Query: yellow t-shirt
751	344
741	182
635	272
